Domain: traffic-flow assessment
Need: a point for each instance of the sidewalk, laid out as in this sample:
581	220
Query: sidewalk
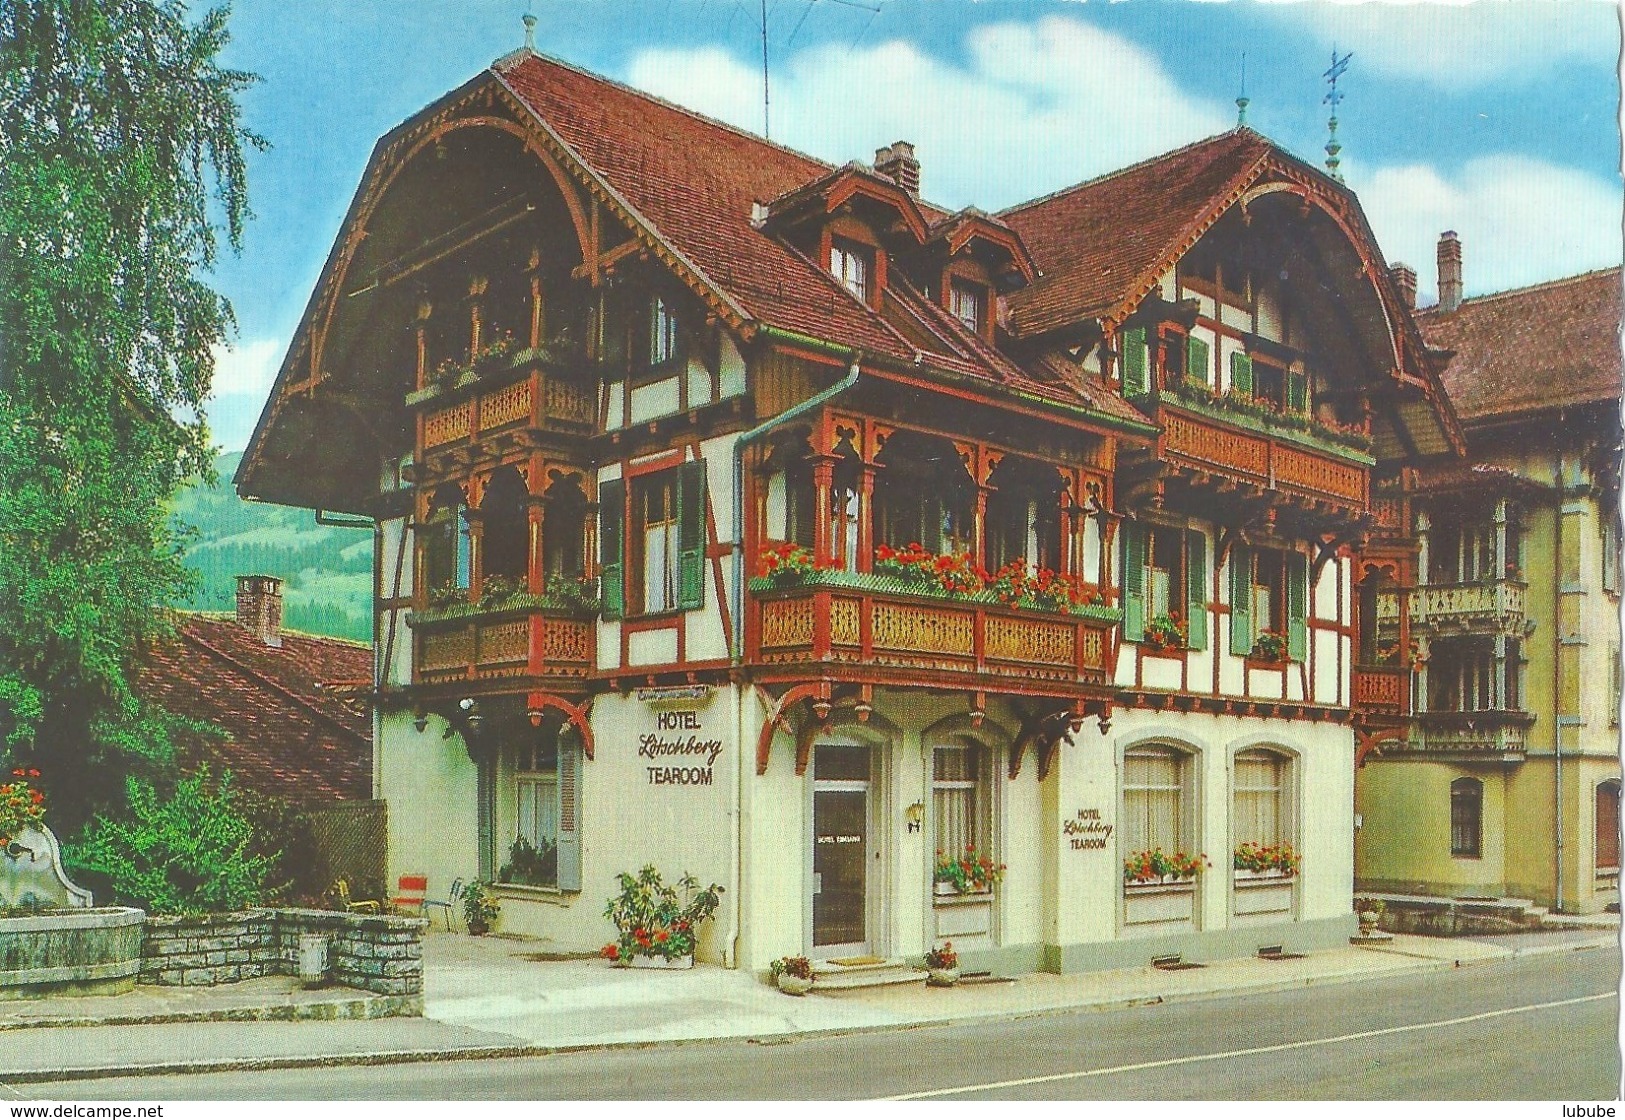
501	997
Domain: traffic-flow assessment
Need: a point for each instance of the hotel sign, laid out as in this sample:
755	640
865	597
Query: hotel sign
1086	832
680	760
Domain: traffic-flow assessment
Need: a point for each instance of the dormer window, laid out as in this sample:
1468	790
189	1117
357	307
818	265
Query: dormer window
853	266
967	302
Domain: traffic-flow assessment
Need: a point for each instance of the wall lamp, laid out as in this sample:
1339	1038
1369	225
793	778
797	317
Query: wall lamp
915	814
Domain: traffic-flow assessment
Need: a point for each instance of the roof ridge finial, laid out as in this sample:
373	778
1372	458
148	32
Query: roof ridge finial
1333	98
1242	102
529	20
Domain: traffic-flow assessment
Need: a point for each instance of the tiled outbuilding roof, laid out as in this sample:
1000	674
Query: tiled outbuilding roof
288	734
1553	345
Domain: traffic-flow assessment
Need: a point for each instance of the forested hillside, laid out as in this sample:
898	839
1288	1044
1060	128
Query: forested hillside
328	571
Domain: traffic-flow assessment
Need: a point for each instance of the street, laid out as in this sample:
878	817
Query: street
1540	1027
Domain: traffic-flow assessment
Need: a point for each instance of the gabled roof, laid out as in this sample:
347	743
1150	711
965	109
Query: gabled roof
829	192
1549	346
1095	241
290	734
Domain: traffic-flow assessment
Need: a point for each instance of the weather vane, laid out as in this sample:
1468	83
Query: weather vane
1242	101
1334	97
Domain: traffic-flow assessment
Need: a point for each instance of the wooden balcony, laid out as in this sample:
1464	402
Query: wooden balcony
858	627
530	394
525	642
1381	691
1206	438
1494	607
1471	733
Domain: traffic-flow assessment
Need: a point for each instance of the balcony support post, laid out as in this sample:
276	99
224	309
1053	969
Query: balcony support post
535	577
866	520
823	483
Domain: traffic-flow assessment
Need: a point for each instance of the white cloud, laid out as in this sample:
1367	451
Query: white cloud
1521	220
242	379
1034	107
1459	44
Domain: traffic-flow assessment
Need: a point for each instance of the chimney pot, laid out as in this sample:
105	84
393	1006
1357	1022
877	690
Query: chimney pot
900	165
1449	271
259	608
1405	280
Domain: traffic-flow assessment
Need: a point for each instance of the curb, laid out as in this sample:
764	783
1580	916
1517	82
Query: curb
346	1010
535	1050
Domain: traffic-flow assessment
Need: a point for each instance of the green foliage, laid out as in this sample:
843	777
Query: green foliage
122	158
191	852
480	906
654	920
531	866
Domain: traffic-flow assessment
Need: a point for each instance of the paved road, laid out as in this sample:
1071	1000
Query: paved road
1540	1028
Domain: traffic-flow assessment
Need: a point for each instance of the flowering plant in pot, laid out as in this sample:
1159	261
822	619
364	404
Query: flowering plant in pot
21	806
942	965
1270	646
1158	866
1266	857
480	907
793	975
787	564
969	872
657	923
1166	631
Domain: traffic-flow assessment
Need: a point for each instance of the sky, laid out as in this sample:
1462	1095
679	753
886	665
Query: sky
1496	119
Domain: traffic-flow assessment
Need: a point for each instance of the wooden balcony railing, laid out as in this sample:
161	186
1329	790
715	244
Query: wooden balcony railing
1488	732
861	624
511	642
1381	690
1481	606
1284	460
476	405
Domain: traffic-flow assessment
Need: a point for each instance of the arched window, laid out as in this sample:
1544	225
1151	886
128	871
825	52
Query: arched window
1156	801
1261	811
563	529
1467	818
923	495
505	540
446	545
1023	518
960	802
1608	827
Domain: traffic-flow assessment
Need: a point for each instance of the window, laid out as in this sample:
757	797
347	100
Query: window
923	495
1608	827
959	799
1259	814
1269	604
505	542
1022	519
666	538
533	858
1155	809
1165	582
665	334
1610	551
1461	549
1461	675
851	265
1466	818
446	543
968	303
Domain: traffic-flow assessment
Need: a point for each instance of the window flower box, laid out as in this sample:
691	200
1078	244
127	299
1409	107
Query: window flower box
1160	902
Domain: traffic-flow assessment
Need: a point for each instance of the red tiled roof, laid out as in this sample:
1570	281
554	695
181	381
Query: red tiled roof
1093	241
1550	346
287	736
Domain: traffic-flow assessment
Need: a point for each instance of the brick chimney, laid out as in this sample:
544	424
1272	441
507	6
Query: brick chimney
259	607
1405	280
1449	271
898	163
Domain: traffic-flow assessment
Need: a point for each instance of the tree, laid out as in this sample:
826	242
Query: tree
121	165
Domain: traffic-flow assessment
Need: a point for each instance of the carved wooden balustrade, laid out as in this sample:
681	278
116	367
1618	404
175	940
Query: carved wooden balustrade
858	628
1490	732
476	406
1482	607
525	641
1381	691
1285	460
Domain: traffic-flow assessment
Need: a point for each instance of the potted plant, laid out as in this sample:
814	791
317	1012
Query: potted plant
1166	631
1157	866
793	975
658	924
1370	912
480	907
1265	859
1270	646
21	807
786	564
971	872
942	966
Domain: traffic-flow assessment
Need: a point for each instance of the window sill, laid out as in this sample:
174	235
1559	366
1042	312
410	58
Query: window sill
1261	663
1170	653
969	898
530	893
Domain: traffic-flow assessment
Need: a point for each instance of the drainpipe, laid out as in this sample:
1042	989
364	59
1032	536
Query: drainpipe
747	438
1557	689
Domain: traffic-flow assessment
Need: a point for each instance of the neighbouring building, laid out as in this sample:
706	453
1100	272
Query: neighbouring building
1492	767
688	454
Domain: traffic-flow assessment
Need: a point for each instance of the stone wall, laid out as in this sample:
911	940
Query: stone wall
375	953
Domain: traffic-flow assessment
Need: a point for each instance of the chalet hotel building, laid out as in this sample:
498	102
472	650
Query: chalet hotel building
749	516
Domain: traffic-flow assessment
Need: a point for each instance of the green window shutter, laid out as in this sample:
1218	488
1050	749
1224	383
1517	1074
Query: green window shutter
1297	392
1195	590
1241	374
1297	606
1241	601
569	811
1197	368
1136	382
1133	582
691	536
612	546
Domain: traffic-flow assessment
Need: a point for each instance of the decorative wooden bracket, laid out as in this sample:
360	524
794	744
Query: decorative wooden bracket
1370	743
819	693
575	714
1047	728
1325	549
